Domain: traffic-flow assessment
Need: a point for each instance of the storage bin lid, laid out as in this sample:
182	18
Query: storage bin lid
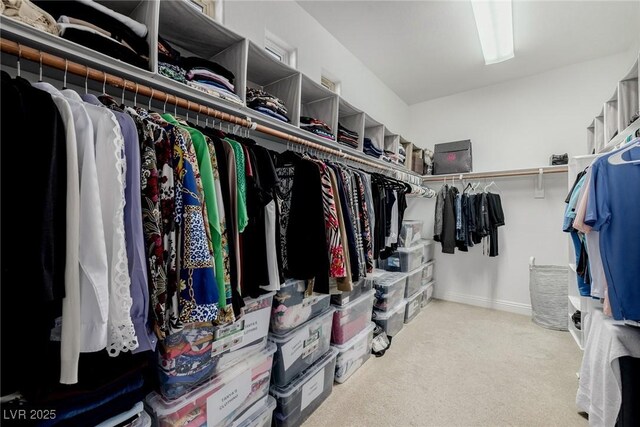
162	407
345	346
250	419
411	222
424	287
411	249
311	323
414	296
298	381
426	264
417	270
249	301
384	315
427	241
369	294
389	279
292	282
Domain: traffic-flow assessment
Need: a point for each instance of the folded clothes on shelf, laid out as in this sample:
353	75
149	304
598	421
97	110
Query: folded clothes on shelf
371	149
172	71
30	14
215	91
267	103
316	126
206	76
97	27
347	137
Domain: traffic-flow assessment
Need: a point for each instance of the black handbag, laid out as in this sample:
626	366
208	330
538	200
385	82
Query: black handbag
452	157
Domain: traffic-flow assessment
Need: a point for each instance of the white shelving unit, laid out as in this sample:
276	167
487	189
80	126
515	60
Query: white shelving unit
612	127
193	33
576	301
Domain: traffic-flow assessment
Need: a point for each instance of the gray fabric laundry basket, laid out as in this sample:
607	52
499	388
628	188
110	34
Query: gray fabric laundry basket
549	300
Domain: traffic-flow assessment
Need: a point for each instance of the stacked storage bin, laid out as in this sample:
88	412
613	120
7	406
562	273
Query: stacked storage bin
389	304
202	365
428	282
414	257
352	331
304	361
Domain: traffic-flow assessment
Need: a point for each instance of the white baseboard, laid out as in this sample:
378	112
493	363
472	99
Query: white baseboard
510	306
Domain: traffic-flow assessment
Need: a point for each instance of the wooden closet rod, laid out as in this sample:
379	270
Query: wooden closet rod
63	64
498	174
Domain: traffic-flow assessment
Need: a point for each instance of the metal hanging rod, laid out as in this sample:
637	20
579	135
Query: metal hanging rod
57	62
498	174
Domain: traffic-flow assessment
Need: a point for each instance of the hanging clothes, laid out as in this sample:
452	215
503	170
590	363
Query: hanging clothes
464	220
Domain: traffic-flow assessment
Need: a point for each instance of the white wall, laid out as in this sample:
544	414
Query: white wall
512	125
522	122
318	50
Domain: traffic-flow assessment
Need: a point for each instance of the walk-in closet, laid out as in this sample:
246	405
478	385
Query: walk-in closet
241	213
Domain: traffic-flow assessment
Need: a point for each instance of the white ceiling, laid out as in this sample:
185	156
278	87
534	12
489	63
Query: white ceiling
428	49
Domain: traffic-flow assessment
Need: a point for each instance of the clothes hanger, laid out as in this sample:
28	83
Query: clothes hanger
492	183
86	82
64	78
135	97
104	84
150	98
124	87
164	107
616	158
18	63
40	75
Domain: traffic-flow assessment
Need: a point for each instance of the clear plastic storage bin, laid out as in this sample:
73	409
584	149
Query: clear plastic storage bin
412	309
210	404
349	320
297	401
292	306
353	354
391	321
259	415
428	249
404	259
389	290
359	288
428	271
193	355
300	348
427	293
410	233
414	282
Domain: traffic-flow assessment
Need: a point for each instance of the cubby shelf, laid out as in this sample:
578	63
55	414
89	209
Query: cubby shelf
613	126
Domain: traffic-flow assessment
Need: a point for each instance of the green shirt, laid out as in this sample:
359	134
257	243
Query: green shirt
243	219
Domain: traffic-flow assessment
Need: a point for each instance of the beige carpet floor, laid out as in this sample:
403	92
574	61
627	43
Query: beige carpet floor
458	365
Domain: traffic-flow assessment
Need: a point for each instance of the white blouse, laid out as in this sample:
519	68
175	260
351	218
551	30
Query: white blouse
111	167
94	268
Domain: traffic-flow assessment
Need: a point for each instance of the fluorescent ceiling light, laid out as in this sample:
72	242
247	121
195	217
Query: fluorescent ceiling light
494	20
